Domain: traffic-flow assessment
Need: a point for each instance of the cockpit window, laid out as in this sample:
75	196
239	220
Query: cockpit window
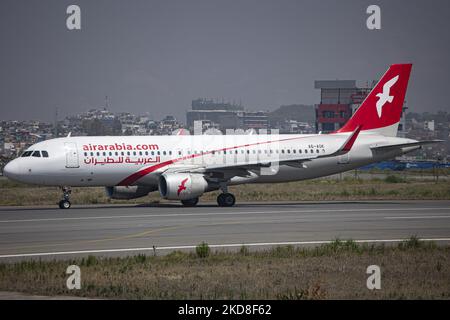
45	154
26	154
36	154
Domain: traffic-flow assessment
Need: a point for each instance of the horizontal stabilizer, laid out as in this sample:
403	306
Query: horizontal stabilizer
403	145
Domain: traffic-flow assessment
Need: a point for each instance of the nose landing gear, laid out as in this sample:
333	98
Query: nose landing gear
65	203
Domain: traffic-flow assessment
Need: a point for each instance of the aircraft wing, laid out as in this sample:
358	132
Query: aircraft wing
243	168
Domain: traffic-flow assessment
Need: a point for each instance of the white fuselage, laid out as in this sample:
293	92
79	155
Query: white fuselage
140	160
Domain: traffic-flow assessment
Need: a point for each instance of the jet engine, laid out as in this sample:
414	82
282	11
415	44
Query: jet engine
182	186
128	192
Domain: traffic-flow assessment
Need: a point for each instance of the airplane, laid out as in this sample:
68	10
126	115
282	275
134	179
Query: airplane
184	167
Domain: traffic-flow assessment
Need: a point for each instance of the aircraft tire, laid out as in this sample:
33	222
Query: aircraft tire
226	200
64	204
190	202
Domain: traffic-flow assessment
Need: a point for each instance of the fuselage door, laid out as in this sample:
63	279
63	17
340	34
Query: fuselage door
71	155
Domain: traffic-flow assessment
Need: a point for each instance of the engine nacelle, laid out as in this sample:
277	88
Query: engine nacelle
128	192
182	186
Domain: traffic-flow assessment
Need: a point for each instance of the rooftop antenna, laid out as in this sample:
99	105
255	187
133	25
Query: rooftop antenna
56	122
106	103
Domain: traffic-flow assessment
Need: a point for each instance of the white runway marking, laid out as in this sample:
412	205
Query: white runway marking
232	245
222	213
417	217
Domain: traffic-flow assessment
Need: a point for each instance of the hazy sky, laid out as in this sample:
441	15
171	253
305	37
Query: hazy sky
156	56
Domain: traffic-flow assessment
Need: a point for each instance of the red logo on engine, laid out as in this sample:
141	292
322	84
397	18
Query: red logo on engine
182	186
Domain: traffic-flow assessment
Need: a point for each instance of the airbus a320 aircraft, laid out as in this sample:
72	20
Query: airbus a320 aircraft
184	167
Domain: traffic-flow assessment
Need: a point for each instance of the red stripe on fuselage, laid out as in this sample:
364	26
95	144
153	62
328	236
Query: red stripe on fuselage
141	173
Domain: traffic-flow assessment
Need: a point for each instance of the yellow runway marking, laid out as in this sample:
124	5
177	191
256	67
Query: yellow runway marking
136	235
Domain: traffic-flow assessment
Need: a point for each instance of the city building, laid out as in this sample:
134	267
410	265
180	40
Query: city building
339	99
222	115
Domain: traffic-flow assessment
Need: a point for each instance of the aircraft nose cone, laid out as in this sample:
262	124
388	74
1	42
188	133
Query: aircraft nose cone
12	169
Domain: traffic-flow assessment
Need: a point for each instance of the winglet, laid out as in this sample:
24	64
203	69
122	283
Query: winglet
350	140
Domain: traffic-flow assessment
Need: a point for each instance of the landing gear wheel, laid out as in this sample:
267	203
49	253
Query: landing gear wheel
64	204
226	200
190	202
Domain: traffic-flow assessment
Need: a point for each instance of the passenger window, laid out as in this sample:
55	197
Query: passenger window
36	154
85	154
288	150
317	150
164	153
299	150
306	151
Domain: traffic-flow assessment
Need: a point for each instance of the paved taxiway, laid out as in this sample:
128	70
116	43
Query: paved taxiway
27	232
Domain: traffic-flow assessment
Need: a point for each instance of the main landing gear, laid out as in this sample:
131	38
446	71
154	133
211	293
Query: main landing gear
65	203
225	199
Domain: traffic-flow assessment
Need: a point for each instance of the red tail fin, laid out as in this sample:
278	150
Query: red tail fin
382	108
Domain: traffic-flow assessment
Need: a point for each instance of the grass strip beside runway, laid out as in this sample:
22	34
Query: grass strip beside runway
411	269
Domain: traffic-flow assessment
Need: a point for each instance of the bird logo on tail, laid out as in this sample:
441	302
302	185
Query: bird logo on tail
385	95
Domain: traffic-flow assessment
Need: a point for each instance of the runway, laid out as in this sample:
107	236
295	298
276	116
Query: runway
49	232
